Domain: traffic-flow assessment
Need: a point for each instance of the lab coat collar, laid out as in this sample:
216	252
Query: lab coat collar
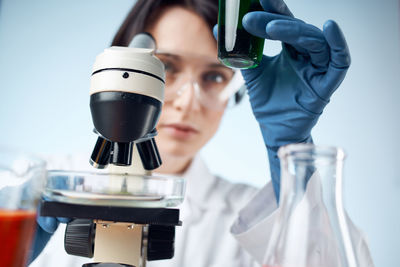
199	182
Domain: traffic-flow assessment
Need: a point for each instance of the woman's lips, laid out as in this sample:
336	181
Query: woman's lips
179	130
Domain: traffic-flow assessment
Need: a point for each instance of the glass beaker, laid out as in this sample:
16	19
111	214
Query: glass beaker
311	228
236	47
21	183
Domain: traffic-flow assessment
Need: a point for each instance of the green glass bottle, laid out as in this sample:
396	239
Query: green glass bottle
236	47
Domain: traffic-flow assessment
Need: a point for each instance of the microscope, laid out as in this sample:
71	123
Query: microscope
122	214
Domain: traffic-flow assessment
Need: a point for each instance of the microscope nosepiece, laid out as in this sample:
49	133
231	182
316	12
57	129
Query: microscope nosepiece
124	117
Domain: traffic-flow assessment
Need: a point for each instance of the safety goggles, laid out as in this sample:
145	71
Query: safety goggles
212	83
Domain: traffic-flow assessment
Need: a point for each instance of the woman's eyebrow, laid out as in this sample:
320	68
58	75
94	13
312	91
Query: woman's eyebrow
169	55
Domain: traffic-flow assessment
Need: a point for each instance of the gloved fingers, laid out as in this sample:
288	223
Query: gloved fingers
340	59
340	55
215	31
303	37
256	22
276	6
48	224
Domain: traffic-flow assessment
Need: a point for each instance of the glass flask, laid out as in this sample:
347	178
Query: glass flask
236	47
21	183
311	228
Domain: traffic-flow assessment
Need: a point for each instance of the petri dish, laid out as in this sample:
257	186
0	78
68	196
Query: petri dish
109	189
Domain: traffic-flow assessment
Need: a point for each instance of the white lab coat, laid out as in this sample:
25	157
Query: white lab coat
213	223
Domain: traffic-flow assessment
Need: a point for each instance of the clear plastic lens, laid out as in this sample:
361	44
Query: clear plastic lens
115	189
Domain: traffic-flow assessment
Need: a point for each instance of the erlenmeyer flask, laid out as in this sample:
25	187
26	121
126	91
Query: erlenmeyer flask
311	229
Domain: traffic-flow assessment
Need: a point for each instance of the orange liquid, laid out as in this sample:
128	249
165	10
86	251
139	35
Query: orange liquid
17	229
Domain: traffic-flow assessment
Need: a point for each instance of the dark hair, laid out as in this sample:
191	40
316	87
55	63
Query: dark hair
145	12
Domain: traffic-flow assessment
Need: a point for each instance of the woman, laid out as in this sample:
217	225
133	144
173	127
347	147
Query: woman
194	106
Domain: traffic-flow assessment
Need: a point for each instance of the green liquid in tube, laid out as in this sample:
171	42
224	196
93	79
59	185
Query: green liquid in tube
236	47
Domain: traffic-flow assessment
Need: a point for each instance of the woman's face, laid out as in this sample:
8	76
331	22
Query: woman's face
186	125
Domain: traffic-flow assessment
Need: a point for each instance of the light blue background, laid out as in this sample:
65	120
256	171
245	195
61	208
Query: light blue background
47	49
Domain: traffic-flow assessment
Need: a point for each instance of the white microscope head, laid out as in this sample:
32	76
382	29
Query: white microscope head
126	96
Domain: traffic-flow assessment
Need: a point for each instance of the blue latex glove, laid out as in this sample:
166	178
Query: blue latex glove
288	92
45	229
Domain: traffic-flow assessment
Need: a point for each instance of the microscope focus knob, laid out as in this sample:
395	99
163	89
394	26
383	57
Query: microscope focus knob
161	242
79	238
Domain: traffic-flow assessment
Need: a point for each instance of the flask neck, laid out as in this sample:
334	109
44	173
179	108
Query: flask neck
315	170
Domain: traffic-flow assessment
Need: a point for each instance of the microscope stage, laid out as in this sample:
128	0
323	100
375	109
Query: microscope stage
119	190
154	216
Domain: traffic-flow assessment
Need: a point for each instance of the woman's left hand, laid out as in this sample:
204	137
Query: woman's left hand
288	92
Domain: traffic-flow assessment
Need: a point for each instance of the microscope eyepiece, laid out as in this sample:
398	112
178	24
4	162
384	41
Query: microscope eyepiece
143	40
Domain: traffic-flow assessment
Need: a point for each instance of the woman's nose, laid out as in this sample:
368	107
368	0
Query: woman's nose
186	97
